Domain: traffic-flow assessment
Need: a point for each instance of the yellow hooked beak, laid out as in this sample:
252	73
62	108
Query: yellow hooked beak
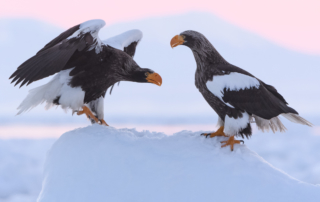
154	78
176	41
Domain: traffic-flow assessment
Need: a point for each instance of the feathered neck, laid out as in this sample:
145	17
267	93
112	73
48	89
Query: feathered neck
207	58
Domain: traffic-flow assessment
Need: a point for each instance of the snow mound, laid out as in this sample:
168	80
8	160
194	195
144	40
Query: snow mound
100	163
21	161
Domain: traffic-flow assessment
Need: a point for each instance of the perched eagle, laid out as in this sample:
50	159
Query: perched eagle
236	96
85	68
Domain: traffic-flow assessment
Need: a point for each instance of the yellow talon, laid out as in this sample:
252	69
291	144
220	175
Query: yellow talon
231	141
103	122
89	114
87	111
219	132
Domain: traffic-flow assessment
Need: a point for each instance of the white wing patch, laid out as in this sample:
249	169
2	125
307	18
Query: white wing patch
125	39
93	27
233	82
92	24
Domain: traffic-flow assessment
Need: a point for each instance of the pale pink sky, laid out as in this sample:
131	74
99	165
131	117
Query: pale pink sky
291	23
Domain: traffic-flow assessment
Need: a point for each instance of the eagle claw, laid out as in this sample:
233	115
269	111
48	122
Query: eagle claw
205	134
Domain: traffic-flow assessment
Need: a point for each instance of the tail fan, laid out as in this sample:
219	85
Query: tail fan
36	96
296	119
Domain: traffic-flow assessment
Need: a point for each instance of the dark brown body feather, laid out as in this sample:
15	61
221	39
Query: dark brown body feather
264	101
95	66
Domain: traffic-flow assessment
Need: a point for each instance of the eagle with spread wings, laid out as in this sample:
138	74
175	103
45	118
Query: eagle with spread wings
85	67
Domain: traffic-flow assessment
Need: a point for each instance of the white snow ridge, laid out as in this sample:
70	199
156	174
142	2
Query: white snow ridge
101	164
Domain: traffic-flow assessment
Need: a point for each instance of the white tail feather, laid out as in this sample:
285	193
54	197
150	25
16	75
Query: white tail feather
45	93
69	97
274	124
296	119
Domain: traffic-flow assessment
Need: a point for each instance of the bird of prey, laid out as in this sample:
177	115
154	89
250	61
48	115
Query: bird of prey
84	67
235	95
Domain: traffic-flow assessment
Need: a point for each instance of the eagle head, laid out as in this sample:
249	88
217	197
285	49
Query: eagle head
191	39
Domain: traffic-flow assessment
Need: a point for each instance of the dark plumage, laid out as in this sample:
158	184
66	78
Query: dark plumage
86	67
236	95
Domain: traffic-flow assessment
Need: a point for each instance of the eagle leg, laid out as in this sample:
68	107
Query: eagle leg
231	141
87	111
219	132
103	122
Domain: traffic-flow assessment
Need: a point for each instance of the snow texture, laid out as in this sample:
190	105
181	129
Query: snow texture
58	86
233	82
21	167
100	163
125	39
233	126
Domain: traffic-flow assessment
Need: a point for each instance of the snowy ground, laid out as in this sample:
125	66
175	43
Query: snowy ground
295	152
98	163
21	167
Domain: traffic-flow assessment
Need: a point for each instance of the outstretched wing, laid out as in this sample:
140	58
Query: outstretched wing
55	55
245	92
126	41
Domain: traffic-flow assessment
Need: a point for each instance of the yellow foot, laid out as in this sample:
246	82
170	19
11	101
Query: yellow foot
87	111
231	141
219	132
103	122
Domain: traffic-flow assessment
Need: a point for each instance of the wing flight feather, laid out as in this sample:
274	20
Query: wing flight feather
53	57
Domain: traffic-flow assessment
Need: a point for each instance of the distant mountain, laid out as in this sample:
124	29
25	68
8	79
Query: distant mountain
294	74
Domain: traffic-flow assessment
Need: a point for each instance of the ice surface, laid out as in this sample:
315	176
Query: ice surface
100	163
21	167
